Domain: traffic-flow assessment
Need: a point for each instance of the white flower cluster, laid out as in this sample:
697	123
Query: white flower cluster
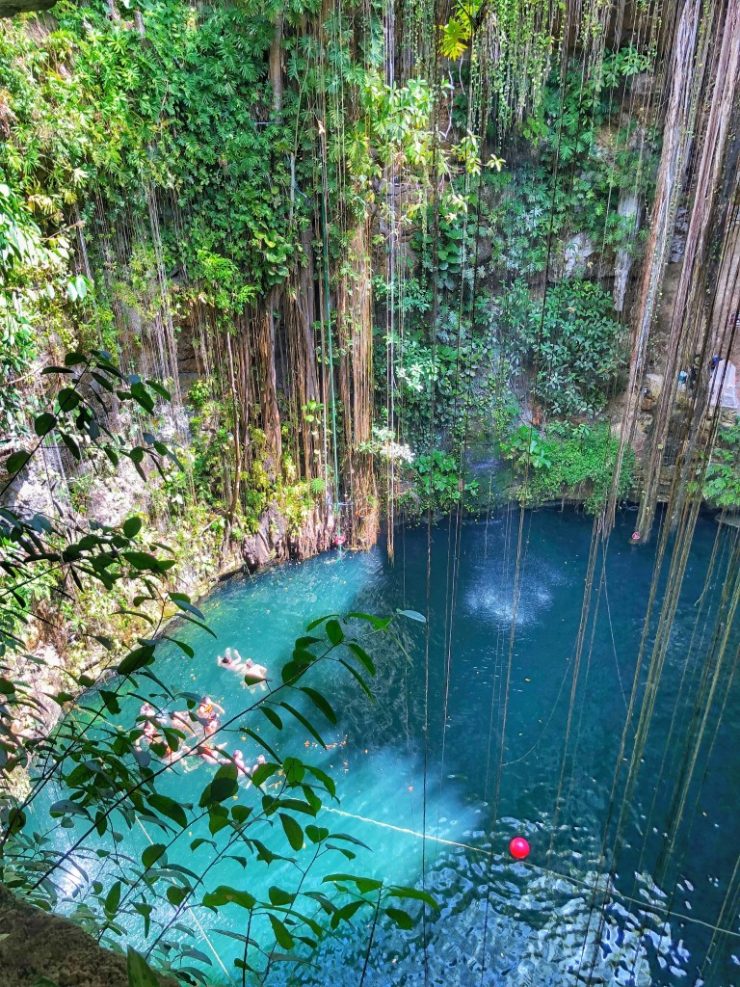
396	452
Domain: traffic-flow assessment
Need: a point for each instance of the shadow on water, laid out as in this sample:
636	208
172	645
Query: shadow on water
490	761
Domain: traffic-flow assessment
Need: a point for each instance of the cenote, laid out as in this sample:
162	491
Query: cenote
492	674
394	346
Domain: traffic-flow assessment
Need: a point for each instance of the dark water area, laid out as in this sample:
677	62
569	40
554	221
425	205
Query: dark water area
623	885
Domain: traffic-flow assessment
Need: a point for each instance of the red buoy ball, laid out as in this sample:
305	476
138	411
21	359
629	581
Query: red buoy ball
519	848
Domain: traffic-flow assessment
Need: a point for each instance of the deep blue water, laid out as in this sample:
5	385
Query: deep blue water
498	691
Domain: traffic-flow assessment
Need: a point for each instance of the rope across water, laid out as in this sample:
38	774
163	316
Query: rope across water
669	913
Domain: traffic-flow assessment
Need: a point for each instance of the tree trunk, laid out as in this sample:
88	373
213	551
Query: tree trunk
302	378
276	65
677	130
355	333
690	318
264	347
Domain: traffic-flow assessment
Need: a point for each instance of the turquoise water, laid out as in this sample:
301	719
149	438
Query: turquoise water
501	922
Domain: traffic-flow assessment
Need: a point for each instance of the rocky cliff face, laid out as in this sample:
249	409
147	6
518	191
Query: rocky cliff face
274	542
9	8
59	639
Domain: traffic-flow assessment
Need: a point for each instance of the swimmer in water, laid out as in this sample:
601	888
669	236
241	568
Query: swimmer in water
211	727
208	709
149	733
261	759
254	674
209	754
146	709
238	760
230	659
169	755
181	720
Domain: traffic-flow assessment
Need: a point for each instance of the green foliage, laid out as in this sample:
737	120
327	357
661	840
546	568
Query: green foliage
457	32
438	484
139	972
570	341
567	461
96	110
444	252
722	477
522	42
571	114
210	449
31	278
585	154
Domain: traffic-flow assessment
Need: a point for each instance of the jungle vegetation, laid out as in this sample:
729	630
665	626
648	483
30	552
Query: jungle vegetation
297	260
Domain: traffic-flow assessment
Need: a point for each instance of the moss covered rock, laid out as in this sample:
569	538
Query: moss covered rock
36	947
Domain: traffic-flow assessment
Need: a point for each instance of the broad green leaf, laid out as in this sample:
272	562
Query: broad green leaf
112	900
401	918
262	772
159	389
278	897
132	526
136	659
318	621
358	678
272	716
183	603
317	834
44	423
334	631
302	719
152	854
359	652
320	703
68	399
139	972
16	462
347	912
66	807
223	785
282	935
145	562
363	884
224	895
169	808
176	895
379	623
292	830
415	894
